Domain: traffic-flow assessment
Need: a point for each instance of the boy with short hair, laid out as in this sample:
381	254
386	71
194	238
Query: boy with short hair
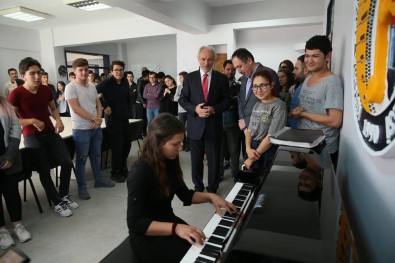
86	111
31	102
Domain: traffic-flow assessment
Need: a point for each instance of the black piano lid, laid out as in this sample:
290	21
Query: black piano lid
294	225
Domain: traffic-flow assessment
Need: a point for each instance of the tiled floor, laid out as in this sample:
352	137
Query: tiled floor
99	224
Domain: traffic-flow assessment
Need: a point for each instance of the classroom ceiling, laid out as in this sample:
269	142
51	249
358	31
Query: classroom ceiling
193	16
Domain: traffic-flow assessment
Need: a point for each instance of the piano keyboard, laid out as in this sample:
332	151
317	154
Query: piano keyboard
219	229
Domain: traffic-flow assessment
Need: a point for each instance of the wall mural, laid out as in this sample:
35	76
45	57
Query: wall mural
374	75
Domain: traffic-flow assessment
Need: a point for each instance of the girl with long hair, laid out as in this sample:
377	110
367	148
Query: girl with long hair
156	233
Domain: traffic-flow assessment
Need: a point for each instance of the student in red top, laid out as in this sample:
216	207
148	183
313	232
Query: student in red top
31	102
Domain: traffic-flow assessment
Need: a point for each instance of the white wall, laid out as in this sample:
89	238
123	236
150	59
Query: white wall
367	182
270	46
158	53
13	48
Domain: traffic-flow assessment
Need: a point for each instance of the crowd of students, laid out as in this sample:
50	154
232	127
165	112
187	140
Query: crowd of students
217	117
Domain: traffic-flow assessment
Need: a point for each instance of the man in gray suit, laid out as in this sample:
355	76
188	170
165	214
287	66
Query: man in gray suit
245	64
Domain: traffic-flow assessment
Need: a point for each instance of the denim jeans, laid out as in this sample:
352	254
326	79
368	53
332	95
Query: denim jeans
48	149
151	114
87	143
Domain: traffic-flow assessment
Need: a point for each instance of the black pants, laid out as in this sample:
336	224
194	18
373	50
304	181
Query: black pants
9	189
231	144
212	148
141	113
169	249
182	116
49	150
120	143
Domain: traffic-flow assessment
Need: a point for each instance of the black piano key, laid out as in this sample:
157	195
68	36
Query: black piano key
246	187
238	203
244	192
240	197
215	240
210	251
225	223
221	231
203	260
227	214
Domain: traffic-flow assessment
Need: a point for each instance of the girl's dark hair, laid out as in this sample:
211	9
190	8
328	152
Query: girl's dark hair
266	75
61	83
170	77
290	77
162	129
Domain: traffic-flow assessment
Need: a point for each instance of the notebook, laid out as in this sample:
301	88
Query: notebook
297	137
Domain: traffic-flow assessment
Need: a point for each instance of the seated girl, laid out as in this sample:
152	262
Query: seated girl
156	233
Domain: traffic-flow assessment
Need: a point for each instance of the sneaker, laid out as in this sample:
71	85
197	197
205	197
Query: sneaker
118	177
6	240
62	209
83	194
22	234
70	204
104	183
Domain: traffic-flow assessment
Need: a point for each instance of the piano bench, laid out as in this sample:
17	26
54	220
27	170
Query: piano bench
122	254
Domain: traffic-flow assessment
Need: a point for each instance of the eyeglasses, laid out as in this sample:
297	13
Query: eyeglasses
261	87
118	70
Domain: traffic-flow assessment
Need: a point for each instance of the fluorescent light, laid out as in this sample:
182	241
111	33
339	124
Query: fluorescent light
87	5
23	14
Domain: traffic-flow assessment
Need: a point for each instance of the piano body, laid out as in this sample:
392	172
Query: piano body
288	214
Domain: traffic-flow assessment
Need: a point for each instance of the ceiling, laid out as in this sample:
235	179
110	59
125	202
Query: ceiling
61	14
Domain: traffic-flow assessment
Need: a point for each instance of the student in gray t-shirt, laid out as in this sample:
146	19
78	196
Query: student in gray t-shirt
86	111
268	116
328	94
321	96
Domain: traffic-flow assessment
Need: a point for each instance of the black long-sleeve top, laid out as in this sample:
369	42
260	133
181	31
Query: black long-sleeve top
145	202
116	96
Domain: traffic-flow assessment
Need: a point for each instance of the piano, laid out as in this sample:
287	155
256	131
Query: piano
287	214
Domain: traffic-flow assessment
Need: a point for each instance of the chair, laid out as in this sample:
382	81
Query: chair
105	147
122	253
135	131
26	175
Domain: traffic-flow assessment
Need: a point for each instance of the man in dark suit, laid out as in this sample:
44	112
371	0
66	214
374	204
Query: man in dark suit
245	64
205	96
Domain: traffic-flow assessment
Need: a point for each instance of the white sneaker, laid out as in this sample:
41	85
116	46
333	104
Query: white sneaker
70	204
22	234
63	210
6	240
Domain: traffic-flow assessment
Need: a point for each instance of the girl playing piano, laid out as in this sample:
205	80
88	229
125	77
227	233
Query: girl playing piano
156	233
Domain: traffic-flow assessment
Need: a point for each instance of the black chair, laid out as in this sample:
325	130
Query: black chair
121	254
135	131
105	147
26	175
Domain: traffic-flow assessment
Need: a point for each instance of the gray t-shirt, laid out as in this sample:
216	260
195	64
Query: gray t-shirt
267	118
86	98
328	94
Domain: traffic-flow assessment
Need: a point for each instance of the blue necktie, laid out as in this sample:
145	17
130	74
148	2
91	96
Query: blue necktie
248	86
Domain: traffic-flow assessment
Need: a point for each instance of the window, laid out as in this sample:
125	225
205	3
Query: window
97	62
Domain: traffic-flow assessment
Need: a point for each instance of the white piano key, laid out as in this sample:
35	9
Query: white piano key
195	250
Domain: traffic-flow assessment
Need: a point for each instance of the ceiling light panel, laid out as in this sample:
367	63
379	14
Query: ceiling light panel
23	14
87	5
